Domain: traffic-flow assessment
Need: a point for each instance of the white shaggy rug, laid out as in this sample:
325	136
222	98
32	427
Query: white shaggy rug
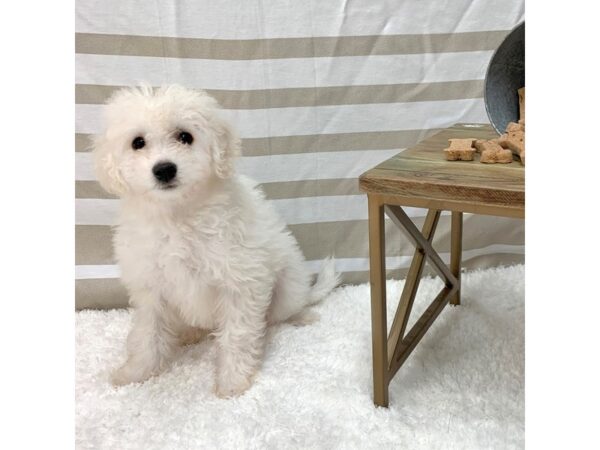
461	388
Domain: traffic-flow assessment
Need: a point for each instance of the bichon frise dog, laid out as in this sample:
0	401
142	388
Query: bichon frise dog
198	246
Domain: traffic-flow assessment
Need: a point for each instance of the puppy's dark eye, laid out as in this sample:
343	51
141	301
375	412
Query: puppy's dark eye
185	138
138	143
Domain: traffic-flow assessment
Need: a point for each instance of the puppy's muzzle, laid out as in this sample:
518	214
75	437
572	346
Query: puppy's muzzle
164	171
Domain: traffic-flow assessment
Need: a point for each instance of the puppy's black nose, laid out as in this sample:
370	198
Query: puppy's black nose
164	171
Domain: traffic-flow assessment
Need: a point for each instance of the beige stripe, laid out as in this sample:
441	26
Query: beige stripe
278	190
349	239
170	47
344	239
90	189
104	293
83	142
285	145
477	262
110	293
93	245
375	140
316	96
311	188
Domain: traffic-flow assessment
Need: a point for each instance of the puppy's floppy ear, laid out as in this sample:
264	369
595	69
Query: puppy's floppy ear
225	147
198	106
106	167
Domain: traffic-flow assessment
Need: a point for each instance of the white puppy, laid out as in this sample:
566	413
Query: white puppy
198	246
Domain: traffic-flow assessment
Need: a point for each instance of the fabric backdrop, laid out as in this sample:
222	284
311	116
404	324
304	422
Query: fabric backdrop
319	92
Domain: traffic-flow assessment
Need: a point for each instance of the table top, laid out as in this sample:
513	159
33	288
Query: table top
421	177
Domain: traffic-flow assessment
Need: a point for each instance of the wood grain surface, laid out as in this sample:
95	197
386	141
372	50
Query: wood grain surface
421	177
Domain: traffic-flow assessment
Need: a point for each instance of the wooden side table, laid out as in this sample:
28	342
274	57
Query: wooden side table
421	177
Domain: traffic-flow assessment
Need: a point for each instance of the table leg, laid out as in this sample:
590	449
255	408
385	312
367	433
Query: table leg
456	252
386	364
378	301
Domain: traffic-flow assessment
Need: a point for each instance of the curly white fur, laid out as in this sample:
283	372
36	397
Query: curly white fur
204	251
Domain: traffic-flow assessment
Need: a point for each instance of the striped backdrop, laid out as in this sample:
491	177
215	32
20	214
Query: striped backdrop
318	91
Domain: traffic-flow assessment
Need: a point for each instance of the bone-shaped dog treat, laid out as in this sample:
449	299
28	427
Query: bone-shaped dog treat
478	144
512	126
514	141
492	152
487	146
499	150
460	150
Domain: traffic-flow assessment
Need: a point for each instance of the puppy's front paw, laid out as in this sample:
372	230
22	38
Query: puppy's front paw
232	387
128	373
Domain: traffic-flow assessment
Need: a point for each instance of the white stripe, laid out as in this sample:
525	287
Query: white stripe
84	167
281	73
327	119
84	272
281	168
312	166
96	212
293	210
256	19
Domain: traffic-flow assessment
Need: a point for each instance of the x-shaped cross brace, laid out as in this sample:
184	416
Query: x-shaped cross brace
390	352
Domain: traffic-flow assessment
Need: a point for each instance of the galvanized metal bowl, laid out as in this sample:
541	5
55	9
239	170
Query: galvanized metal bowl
505	74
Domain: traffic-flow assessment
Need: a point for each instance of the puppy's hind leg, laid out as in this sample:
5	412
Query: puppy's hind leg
152	341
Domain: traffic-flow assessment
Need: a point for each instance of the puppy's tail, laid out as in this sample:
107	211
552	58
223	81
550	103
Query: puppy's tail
327	280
